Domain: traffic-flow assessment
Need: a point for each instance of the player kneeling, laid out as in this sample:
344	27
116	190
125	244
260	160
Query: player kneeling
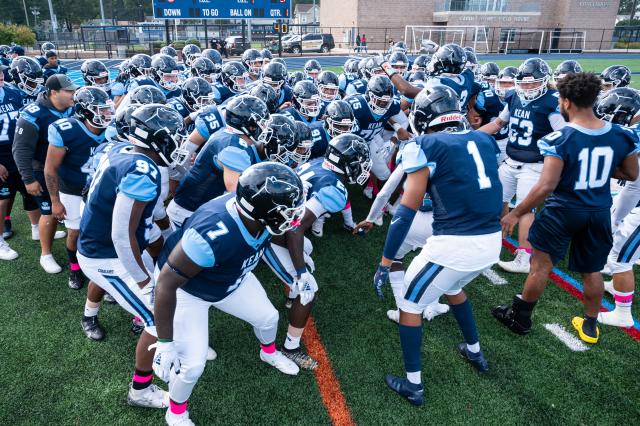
459	169
208	262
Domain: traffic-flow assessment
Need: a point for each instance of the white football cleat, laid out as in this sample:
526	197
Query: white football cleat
435	309
281	362
49	264
394	315
6	252
317	227
59	235
608	287
519	265
211	354
617	317
178	419
149	397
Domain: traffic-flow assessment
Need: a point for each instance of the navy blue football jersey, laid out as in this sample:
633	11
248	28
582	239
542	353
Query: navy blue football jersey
48	72
367	124
528	122
209	121
464	187
295	115
324	185
590	157
356	87
80	144
488	104
205	179
286	95
215	238
121	170
10	104
223	92
41	117
320	139
344	80
28	99
463	84
146	81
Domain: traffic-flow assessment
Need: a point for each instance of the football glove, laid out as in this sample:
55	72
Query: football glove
305	286
165	358
380	279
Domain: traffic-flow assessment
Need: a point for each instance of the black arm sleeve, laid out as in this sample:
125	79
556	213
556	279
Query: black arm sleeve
24	147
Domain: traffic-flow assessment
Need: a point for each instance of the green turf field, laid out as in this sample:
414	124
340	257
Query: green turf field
52	374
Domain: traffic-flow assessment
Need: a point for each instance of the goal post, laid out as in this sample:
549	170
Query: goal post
561	41
519	40
475	36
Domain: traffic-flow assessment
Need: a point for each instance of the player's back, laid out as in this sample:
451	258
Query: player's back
216	239
324	185
590	157
464	186
134	174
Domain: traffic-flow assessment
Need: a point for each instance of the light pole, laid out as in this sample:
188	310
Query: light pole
26	15
35	12
54	22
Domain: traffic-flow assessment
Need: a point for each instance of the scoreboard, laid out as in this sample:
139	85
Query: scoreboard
222	9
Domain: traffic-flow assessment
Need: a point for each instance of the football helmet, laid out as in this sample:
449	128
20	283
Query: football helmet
420	63
197	93
189	53
374	66
348	155
566	67
306	98
143	95
234	76
267	95
295	77
168	50
94	105
428	47
350	68
379	94
279	139
531	79
472	61
448	59
273	195
123	121
267	56
26	73
204	68
506	81
214	56
399	46
95	73
305	142
618	105
247	114
328	85
418	77
139	65
275	75
165	72
615	76
46	46
159	128
312	69
399	61
436	105
252	61
339	118
489	72
4	50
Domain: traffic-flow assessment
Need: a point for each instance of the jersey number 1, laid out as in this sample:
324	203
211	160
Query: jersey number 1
483	179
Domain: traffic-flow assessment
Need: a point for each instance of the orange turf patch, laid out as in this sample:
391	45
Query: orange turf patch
332	396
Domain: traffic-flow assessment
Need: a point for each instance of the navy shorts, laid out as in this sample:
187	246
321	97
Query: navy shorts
43	200
587	235
14	184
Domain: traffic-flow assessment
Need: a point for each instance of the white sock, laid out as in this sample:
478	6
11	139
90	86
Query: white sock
623	300
475	348
347	216
34	226
414	377
166	233
89	311
396	278
291	343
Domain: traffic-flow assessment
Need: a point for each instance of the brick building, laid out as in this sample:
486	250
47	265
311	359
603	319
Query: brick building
493	25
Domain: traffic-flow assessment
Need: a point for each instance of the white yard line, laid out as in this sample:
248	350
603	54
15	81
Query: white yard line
571	341
493	276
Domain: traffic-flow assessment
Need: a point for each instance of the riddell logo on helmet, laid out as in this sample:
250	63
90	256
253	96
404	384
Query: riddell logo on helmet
446	119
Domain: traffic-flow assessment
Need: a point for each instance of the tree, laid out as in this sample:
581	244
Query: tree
628	7
70	12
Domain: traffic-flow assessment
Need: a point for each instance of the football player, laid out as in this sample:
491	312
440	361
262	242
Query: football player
10	180
96	74
328	86
115	226
196	94
349	74
72	142
205	68
615	76
531	111
466	227
165	73
358	85
275	75
44	48
233	80
29	149
564	68
26	75
208	263
579	161
53	65
347	161
489	72
252	61
505	82
307	105
189	53
620	106
312	70
214	56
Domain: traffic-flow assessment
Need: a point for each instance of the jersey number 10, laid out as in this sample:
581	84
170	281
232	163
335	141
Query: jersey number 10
591	174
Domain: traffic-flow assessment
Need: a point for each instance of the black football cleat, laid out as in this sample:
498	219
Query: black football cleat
76	280
8	229
301	359
477	360
92	328
410	391
505	315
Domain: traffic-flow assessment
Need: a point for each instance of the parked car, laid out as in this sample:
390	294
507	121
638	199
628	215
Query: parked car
235	46
309	43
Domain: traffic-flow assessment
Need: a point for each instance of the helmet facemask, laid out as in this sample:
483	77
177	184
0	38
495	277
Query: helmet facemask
102	115
29	85
328	92
277	85
379	104
336	128
310	107
531	94
102	80
168	80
